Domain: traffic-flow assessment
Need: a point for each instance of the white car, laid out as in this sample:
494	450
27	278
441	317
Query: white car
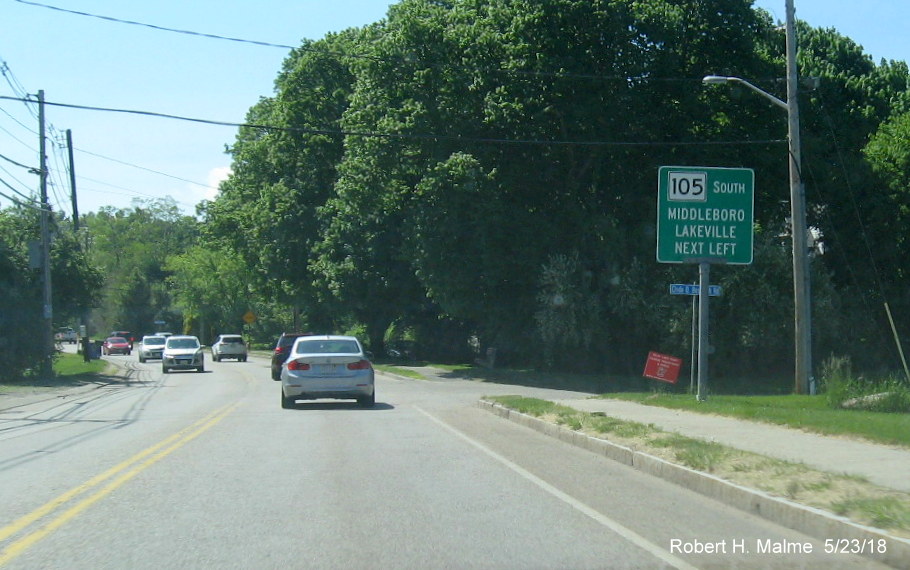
151	347
327	366
229	346
182	352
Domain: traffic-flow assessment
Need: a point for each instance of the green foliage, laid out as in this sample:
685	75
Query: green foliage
131	246
837	381
844	390
802	412
569	318
74	282
485	170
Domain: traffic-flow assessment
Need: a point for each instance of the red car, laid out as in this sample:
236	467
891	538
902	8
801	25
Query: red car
116	345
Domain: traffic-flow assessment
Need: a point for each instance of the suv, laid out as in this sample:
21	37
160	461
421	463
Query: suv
229	346
182	352
151	346
282	350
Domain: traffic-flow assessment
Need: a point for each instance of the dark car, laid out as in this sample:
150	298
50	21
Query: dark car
282	350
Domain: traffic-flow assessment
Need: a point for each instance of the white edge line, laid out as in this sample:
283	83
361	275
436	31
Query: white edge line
619	529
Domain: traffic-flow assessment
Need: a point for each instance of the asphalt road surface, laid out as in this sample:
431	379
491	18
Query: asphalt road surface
191	470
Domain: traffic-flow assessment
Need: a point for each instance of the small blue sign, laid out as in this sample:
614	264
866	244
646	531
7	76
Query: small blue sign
686	289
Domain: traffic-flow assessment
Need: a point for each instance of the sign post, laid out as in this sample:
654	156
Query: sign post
704	216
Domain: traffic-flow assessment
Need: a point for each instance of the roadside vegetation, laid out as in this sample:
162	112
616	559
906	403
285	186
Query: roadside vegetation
69	371
467	181
820	413
845	495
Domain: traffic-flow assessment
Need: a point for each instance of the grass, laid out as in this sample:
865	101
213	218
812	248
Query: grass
846	495
69	370
883	512
810	413
400	370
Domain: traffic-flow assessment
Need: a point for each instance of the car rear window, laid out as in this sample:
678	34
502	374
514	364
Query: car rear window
232	339
323	346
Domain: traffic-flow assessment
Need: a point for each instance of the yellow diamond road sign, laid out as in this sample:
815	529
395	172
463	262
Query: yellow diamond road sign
249	318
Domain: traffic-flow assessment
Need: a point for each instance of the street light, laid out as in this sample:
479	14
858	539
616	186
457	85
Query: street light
798	227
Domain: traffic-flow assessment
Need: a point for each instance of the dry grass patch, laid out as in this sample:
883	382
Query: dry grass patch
849	496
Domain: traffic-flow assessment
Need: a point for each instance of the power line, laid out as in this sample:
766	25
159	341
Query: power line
144	168
19	164
18	140
415	136
27	198
155	27
8	173
191	32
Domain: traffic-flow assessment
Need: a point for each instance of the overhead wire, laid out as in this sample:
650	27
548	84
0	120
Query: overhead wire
19	164
10	175
118	161
419	136
29	102
190	32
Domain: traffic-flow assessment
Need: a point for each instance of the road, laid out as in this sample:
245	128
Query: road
191	470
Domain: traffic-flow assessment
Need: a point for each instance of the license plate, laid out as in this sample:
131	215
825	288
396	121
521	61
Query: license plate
328	369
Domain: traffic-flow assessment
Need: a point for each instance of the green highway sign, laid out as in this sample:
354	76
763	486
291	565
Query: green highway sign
705	214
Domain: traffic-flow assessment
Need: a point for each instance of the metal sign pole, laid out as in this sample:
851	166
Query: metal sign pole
694	347
704	278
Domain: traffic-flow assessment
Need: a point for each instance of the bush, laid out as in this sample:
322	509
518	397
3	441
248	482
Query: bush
840	387
837	381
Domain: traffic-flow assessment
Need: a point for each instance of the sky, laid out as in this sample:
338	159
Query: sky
96	62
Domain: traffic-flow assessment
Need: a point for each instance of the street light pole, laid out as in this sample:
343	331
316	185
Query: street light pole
798	226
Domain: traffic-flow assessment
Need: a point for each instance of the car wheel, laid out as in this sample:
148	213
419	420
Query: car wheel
165	369
200	369
141	359
286	403
215	358
367	402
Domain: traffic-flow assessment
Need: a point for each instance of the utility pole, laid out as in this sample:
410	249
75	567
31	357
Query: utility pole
69	148
45	244
801	295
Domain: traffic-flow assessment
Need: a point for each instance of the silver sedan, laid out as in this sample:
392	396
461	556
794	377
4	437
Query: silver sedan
327	366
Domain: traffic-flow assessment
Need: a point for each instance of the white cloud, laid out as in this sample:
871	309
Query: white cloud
216	176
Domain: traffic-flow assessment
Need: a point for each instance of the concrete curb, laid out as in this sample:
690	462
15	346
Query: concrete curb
814	522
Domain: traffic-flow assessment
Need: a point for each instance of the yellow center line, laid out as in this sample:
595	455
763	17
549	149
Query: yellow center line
157	452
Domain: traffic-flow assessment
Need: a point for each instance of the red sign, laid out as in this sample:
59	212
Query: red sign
662	367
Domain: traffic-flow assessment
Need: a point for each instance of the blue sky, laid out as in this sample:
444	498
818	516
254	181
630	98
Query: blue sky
89	61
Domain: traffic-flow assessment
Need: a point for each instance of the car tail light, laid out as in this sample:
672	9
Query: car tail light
360	365
295	365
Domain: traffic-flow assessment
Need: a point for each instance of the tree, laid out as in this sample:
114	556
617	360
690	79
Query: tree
132	245
73	281
267	209
212	287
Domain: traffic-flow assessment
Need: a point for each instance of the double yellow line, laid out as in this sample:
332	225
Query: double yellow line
118	474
